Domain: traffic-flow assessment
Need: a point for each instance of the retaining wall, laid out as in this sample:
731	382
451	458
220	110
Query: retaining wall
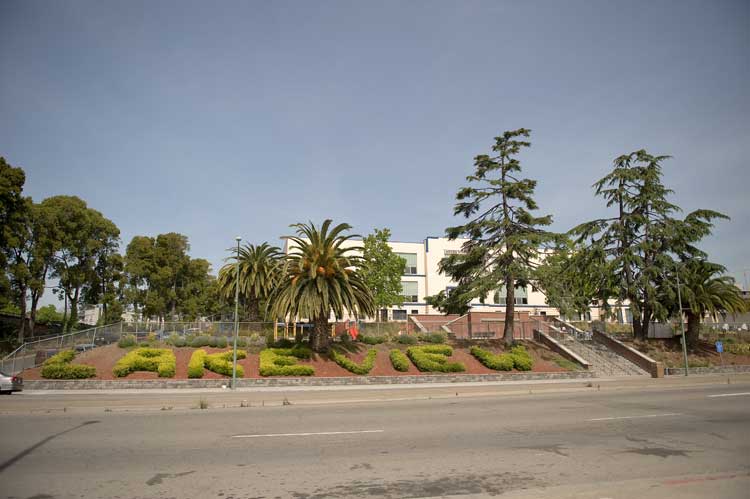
89	384
680	371
558	347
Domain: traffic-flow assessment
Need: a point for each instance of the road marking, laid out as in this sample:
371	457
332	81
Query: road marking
729	394
637	417
308	434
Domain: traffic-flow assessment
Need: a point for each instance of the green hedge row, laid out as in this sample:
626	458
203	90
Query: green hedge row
405	339
196	363
435	338
221	362
371	340
364	368
739	348
399	360
434	358
283	362
159	360
501	362
59	367
127	341
518	357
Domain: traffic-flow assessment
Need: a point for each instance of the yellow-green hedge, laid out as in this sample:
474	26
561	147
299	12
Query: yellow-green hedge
159	360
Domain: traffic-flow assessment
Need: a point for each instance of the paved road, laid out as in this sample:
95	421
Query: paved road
691	441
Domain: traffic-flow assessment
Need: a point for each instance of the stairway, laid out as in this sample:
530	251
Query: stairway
603	361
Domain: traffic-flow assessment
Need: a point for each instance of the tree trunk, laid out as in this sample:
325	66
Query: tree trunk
73	320
510	309
35	296
693	329
22	306
320	335
253	310
638	328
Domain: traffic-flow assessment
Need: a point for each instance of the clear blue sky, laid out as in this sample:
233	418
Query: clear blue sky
217	119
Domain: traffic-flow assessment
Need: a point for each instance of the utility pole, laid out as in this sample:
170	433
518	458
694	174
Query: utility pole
682	324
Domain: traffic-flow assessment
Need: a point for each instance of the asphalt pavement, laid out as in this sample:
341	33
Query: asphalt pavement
613	439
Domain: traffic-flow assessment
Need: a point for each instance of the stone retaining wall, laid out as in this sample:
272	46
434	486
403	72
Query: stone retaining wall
680	371
90	384
655	369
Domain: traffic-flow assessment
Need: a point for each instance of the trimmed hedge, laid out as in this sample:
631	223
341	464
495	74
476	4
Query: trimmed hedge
159	360
371	340
399	360
364	368
59	367
405	339
221	363
200	341
434	358
502	362
127	341
436	338
283	362
521	358
195	366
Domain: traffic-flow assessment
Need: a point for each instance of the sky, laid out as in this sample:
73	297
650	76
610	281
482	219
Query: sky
218	119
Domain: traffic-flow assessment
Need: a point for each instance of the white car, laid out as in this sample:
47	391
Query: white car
9	383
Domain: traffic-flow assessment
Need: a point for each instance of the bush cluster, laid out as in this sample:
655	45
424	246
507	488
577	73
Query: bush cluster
399	360
521	358
739	348
127	341
435	338
59	367
434	358
283	362
195	365
364	368
405	339
159	360
502	362
371	340
221	363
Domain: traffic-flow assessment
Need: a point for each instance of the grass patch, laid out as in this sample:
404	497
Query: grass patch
566	364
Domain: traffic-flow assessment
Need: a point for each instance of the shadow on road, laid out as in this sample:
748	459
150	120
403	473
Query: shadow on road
29	450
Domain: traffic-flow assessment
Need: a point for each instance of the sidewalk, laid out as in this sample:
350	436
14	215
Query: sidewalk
122	400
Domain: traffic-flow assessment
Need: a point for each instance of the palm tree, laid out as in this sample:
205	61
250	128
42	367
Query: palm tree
320	277
707	291
259	273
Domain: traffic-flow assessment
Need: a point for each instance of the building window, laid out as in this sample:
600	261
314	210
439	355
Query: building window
411	263
410	291
453	252
520	296
414	312
399	315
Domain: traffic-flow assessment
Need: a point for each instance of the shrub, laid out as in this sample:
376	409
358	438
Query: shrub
282	343
364	368
370	340
434	358
739	348
221	341
405	339
127	341
399	360
195	366
200	341
60	358
180	342
212	340
521	358
283	362
160	360
502	362
435	338
59	367
221	362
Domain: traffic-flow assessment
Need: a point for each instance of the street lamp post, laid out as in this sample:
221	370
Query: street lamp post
236	312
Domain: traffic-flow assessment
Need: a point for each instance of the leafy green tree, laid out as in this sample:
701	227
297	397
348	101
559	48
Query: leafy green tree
48	314
321	277
107	287
259	270
505	241
706	291
642	243
84	236
382	270
12	207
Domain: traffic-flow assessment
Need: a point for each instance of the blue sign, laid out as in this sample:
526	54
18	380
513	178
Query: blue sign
719	347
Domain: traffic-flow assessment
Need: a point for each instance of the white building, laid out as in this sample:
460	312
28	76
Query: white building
421	279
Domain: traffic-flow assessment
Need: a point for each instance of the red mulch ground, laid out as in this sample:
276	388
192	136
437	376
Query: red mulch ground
104	359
